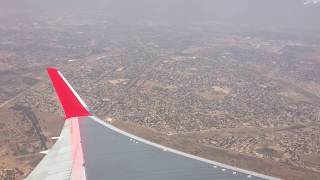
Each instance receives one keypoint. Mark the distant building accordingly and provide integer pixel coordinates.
(8, 174)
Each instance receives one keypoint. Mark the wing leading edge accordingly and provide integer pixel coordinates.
(89, 148)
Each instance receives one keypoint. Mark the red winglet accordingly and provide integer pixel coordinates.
(72, 104)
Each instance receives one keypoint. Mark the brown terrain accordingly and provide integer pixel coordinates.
(248, 101)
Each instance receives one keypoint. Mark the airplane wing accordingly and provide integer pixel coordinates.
(89, 148)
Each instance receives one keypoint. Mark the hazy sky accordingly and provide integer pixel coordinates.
(267, 12)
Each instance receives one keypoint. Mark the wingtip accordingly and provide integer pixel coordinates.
(71, 102)
(52, 69)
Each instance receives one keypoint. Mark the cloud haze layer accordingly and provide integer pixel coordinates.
(291, 13)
